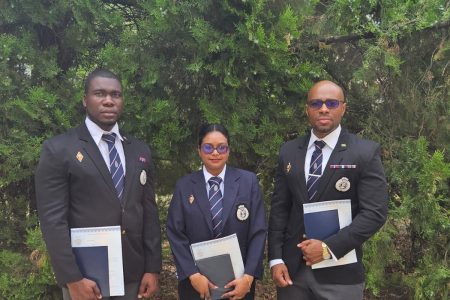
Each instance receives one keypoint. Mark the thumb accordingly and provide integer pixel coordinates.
(97, 293)
(286, 277)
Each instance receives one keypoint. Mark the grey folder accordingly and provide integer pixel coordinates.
(219, 270)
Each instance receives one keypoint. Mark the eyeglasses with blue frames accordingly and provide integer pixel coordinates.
(317, 104)
(208, 148)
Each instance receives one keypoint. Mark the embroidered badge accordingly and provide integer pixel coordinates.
(343, 184)
(79, 156)
(143, 177)
(242, 213)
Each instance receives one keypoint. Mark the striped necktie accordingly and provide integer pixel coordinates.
(315, 170)
(115, 165)
(215, 200)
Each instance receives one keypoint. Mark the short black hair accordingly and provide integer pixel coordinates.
(99, 72)
(207, 128)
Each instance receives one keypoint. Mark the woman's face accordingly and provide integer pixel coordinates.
(215, 161)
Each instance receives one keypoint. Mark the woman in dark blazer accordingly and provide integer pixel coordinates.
(214, 202)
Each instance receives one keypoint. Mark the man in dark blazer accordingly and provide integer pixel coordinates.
(351, 169)
(190, 222)
(74, 188)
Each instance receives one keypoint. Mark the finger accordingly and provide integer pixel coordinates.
(230, 284)
(97, 293)
(287, 278)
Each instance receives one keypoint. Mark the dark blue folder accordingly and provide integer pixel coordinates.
(322, 224)
(93, 264)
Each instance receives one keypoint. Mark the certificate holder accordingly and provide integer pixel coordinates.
(220, 260)
(98, 252)
(323, 219)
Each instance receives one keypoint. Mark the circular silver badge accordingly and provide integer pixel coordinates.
(242, 213)
(343, 184)
(143, 177)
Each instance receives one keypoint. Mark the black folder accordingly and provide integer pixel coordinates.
(219, 270)
(93, 264)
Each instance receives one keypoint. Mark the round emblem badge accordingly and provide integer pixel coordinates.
(343, 184)
(143, 177)
(242, 213)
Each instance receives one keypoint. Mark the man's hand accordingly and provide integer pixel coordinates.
(280, 275)
(84, 289)
(312, 251)
(149, 285)
(241, 287)
(202, 285)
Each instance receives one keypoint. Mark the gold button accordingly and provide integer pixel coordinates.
(123, 232)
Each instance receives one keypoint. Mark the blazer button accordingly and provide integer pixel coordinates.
(304, 236)
(124, 232)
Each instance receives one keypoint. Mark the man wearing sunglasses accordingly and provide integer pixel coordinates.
(327, 164)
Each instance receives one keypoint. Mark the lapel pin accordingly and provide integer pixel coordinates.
(288, 167)
(142, 159)
(343, 145)
(191, 199)
(79, 156)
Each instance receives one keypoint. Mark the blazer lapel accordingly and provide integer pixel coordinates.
(300, 157)
(199, 185)
(94, 153)
(231, 187)
(130, 165)
(335, 159)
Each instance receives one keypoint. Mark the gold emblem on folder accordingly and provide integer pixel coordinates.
(79, 156)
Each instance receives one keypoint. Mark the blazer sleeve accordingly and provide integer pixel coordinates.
(372, 199)
(52, 196)
(256, 232)
(279, 212)
(152, 228)
(178, 239)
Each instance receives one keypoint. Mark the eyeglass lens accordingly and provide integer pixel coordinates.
(329, 103)
(208, 149)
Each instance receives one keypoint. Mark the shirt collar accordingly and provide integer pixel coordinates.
(330, 140)
(209, 175)
(96, 132)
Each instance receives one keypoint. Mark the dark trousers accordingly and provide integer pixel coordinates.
(187, 292)
(306, 287)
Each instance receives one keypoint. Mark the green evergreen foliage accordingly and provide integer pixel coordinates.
(246, 64)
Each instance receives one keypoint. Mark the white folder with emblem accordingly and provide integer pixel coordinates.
(226, 245)
(322, 219)
(98, 252)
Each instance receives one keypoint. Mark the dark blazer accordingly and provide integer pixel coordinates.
(189, 223)
(74, 189)
(368, 194)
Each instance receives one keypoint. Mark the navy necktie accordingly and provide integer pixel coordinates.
(115, 165)
(315, 170)
(215, 200)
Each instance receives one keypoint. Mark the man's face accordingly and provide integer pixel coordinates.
(325, 119)
(103, 102)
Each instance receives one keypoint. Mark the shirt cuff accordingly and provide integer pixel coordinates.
(274, 262)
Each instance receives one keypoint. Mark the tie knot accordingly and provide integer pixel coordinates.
(109, 138)
(319, 144)
(214, 181)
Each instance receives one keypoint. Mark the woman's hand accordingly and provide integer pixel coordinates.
(202, 285)
(241, 287)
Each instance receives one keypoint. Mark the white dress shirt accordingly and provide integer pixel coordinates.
(209, 175)
(96, 133)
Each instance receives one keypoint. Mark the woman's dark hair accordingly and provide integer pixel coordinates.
(207, 128)
(105, 73)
